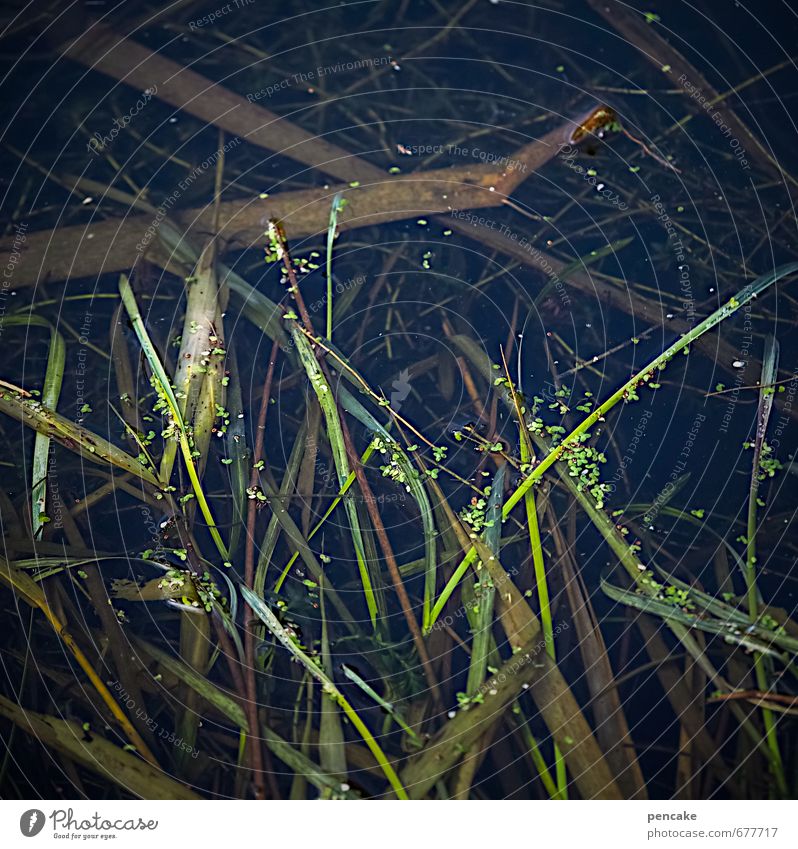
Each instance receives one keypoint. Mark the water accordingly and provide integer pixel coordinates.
(693, 211)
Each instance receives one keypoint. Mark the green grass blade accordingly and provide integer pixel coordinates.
(386, 706)
(85, 443)
(165, 387)
(671, 613)
(744, 296)
(296, 539)
(541, 584)
(481, 620)
(364, 458)
(261, 609)
(538, 759)
(368, 577)
(51, 391)
(338, 203)
(416, 488)
(332, 751)
(227, 706)
(770, 367)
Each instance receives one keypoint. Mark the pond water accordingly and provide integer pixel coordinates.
(493, 214)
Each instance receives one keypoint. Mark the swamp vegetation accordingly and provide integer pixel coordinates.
(398, 401)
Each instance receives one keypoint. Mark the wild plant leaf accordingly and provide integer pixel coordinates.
(369, 572)
(238, 458)
(45, 567)
(96, 754)
(672, 612)
(88, 445)
(530, 666)
(299, 543)
(332, 749)
(199, 373)
(763, 667)
(165, 387)
(388, 707)
(291, 480)
(774, 635)
(257, 307)
(261, 609)
(162, 588)
(51, 391)
(744, 296)
(481, 619)
(338, 203)
(415, 486)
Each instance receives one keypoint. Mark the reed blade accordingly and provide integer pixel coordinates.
(414, 485)
(338, 203)
(369, 571)
(51, 391)
(762, 665)
(261, 609)
(332, 750)
(481, 615)
(164, 387)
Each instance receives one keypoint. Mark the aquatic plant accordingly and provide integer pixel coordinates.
(363, 496)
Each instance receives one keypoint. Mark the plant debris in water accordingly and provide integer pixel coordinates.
(444, 423)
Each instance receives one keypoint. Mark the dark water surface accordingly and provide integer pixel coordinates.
(661, 212)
